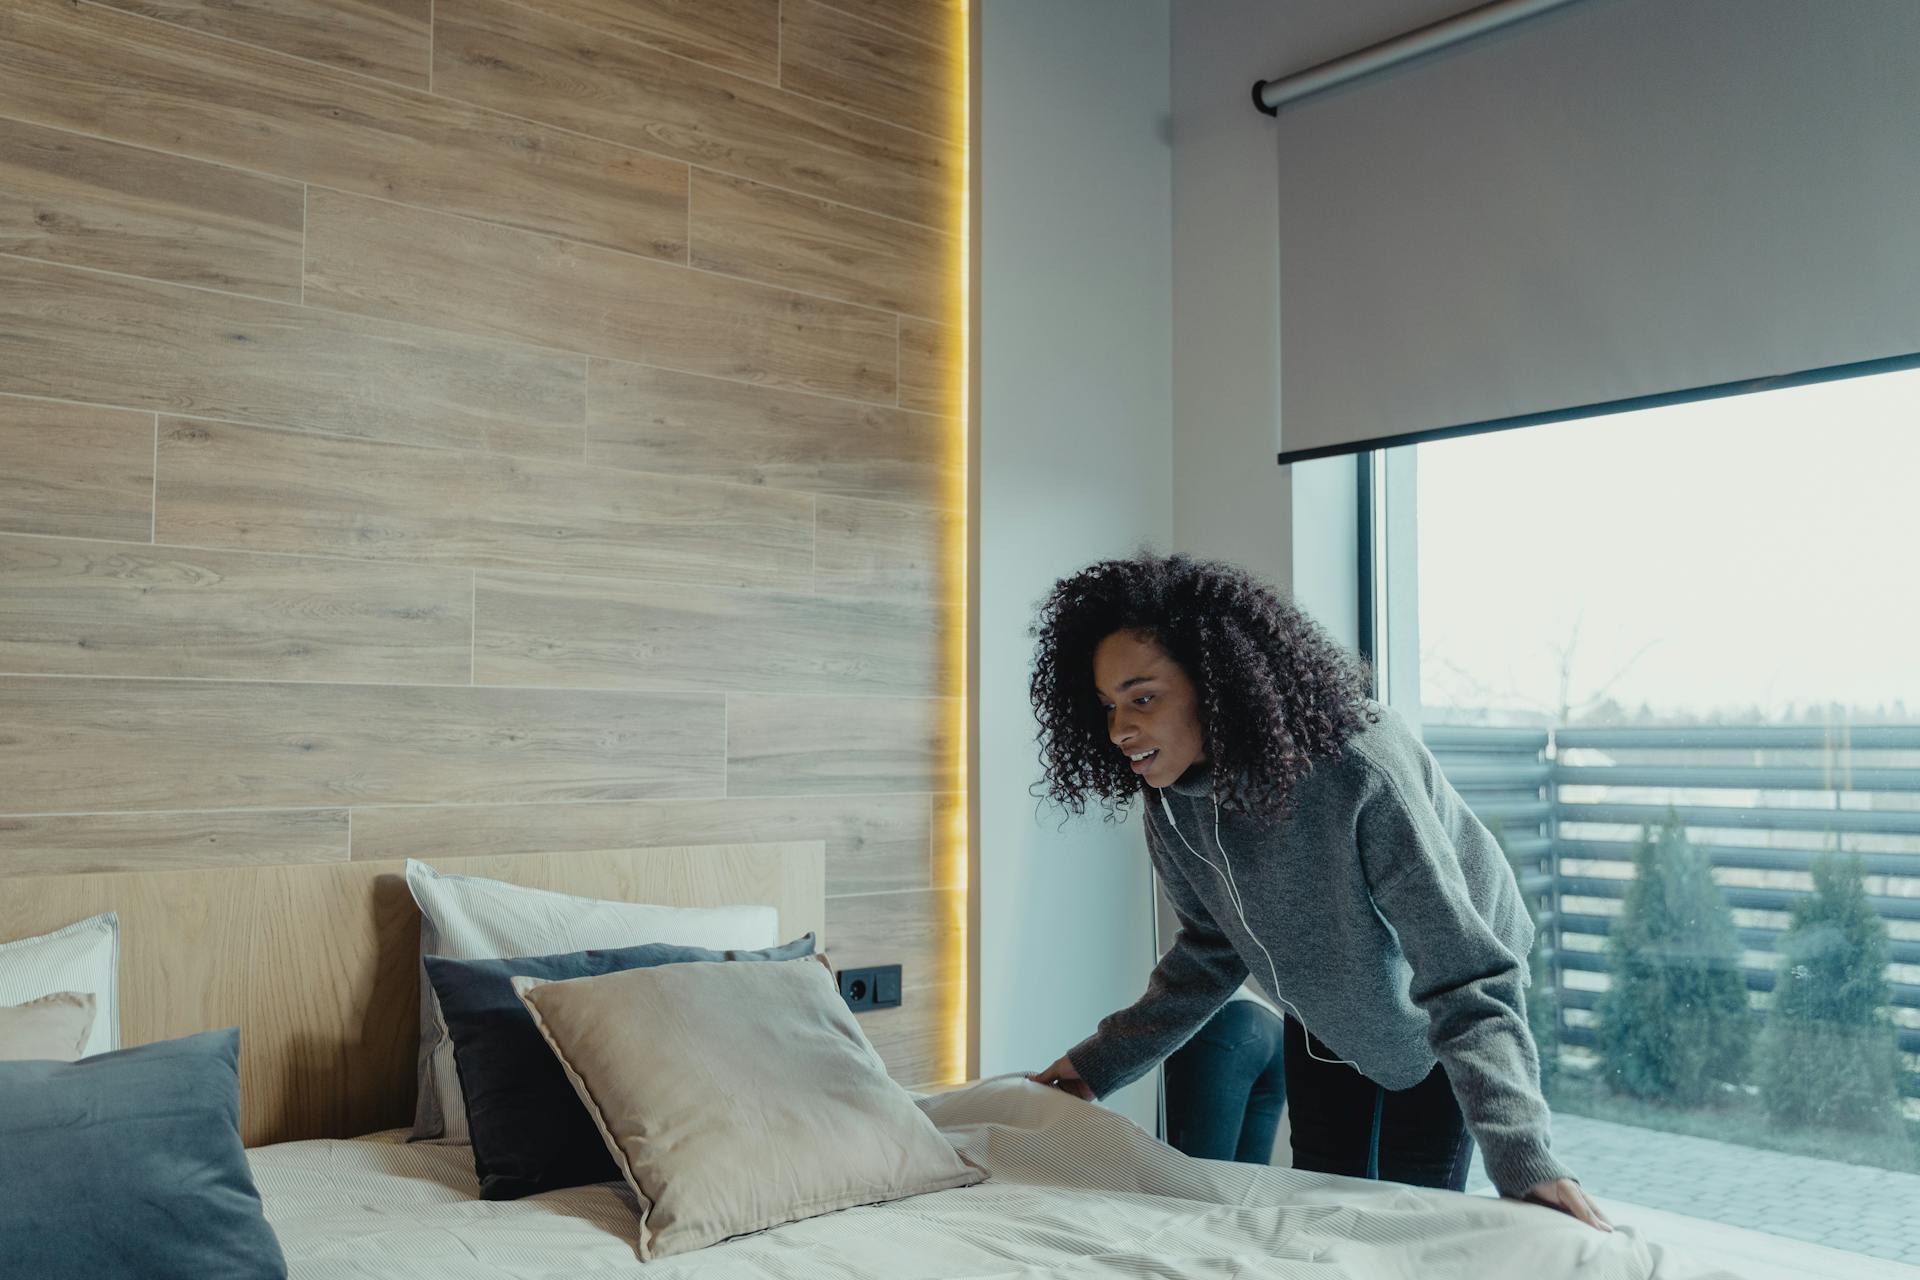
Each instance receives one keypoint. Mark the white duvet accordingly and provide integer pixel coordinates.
(1075, 1192)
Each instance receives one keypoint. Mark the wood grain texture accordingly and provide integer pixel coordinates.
(930, 356)
(331, 1037)
(881, 549)
(748, 229)
(69, 844)
(646, 419)
(873, 843)
(950, 841)
(225, 485)
(784, 745)
(119, 76)
(319, 965)
(741, 36)
(381, 259)
(917, 930)
(406, 316)
(174, 969)
(384, 38)
(610, 633)
(940, 22)
(921, 1041)
(123, 745)
(829, 54)
(75, 471)
(128, 609)
(78, 335)
(77, 200)
(499, 55)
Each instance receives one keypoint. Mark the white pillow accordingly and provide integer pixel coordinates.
(470, 918)
(83, 957)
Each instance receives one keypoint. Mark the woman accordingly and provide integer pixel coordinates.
(1304, 835)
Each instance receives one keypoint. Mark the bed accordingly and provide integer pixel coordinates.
(1075, 1191)
(317, 965)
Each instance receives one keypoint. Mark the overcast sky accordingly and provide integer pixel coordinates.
(1759, 549)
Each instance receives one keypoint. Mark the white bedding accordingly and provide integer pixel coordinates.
(1076, 1193)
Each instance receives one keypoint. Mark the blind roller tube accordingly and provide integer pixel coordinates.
(1271, 95)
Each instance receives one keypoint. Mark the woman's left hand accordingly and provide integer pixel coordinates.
(1565, 1195)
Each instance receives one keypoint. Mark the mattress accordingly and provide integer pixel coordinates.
(1075, 1192)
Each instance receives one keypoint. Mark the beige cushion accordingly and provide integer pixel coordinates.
(53, 1027)
(736, 1097)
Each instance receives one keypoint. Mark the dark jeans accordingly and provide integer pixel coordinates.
(1225, 1087)
(1342, 1122)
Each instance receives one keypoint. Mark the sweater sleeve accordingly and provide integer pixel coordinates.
(1466, 980)
(1193, 979)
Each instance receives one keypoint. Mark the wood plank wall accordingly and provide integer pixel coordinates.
(453, 427)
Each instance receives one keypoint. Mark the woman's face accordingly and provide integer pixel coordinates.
(1152, 708)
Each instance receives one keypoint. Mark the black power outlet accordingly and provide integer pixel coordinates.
(877, 987)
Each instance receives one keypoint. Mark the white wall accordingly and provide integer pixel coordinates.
(1074, 458)
(1230, 498)
(1126, 354)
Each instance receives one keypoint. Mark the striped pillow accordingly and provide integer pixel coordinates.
(83, 957)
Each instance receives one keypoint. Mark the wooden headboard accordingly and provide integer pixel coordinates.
(318, 965)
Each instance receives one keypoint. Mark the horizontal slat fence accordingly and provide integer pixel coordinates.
(1762, 802)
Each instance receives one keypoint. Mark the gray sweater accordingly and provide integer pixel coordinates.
(1396, 931)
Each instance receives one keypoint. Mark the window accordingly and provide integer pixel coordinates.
(1672, 659)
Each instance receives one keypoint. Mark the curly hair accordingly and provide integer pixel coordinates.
(1276, 692)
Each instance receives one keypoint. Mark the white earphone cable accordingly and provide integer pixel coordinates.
(1233, 896)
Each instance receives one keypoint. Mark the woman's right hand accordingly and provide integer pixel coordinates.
(1062, 1076)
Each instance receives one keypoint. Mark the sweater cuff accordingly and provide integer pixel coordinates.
(1521, 1167)
(1097, 1066)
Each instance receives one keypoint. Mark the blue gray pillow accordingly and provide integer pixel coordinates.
(130, 1164)
(529, 1130)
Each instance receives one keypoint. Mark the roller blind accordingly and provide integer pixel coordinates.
(1617, 200)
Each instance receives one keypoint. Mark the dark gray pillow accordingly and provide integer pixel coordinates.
(529, 1130)
(130, 1164)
